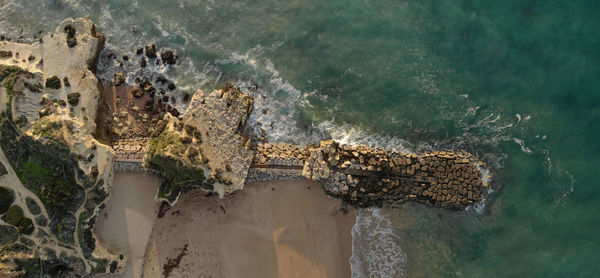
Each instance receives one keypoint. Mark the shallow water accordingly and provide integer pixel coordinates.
(515, 82)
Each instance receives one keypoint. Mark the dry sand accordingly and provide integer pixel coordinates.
(125, 224)
(269, 229)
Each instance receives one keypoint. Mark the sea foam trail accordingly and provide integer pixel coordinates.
(375, 252)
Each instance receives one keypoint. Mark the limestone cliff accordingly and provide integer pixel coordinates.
(57, 174)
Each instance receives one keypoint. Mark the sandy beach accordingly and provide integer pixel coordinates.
(271, 229)
(126, 222)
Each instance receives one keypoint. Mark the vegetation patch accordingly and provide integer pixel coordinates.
(14, 216)
(46, 167)
(32, 206)
(165, 155)
(35, 88)
(53, 82)
(73, 98)
(8, 234)
(9, 75)
(7, 197)
(64, 227)
(5, 54)
(53, 130)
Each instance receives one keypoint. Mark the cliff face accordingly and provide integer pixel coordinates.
(56, 172)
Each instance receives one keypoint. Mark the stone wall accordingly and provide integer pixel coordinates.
(134, 148)
(365, 176)
(280, 154)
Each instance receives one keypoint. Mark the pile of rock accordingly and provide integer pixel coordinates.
(279, 154)
(131, 148)
(266, 174)
(365, 176)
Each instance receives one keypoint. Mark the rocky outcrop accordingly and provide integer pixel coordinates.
(219, 119)
(59, 173)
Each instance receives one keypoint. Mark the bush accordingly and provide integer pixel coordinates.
(6, 199)
(177, 175)
(14, 216)
(33, 206)
(73, 98)
(5, 54)
(53, 82)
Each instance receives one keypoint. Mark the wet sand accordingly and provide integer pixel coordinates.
(270, 229)
(125, 224)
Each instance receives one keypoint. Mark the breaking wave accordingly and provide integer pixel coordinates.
(375, 252)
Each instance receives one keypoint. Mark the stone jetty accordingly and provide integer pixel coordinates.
(365, 176)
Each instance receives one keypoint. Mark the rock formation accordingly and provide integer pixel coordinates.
(57, 173)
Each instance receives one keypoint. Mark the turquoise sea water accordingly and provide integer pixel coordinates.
(515, 82)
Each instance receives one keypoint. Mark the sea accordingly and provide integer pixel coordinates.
(515, 82)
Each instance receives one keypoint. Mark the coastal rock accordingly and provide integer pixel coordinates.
(150, 51)
(119, 78)
(168, 57)
(221, 117)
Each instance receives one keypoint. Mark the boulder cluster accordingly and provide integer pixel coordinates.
(365, 176)
(132, 148)
(279, 154)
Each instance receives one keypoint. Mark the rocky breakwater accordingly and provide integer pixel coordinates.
(205, 147)
(58, 175)
(364, 176)
(277, 161)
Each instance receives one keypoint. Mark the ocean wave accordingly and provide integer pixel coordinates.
(375, 252)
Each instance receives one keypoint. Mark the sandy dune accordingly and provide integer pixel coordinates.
(270, 229)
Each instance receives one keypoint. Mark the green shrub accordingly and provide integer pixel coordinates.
(35, 88)
(6, 199)
(14, 216)
(176, 174)
(73, 98)
(47, 167)
(53, 82)
(32, 206)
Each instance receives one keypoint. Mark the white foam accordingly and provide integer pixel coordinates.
(375, 252)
